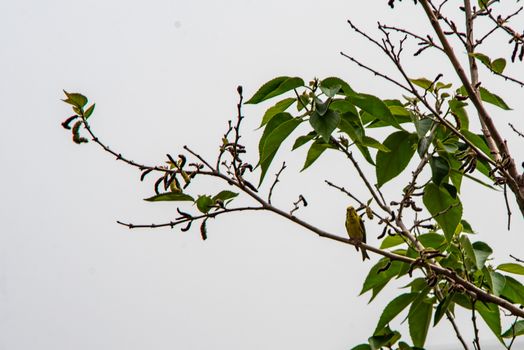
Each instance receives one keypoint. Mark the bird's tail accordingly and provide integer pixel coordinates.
(364, 253)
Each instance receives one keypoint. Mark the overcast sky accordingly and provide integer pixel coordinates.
(164, 74)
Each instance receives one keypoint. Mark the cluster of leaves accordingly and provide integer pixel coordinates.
(429, 299)
(332, 107)
(339, 118)
(78, 101)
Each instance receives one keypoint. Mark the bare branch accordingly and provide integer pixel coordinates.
(189, 219)
(277, 176)
(515, 130)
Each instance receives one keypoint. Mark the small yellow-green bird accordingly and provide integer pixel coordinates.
(356, 230)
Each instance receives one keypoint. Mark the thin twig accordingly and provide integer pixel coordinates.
(476, 341)
(515, 130)
(451, 319)
(508, 210)
(200, 158)
(277, 176)
(516, 259)
(513, 335)
(427, 41)
(370, 188)
(377, 73)
(184, 219)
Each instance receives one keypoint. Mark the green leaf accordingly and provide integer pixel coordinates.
(89, 111)
(482, 253)
(449, 145)
(455, 175)
(383, 338)
(423, 145)
(497, 282)
(365, 153)
(404, 346)
(423, 83)
(469, 252)
(275, 132)
(451, 190)
(376, 278)
(224, 196)
(376, 289)
(466, 227)
(343, 106)
(422, 126)
(273, 142)
(371, 142)
(332, 82)
(439, 169)
(513, 291)
(277, 120)
(498, 65)
(75, 99)
(490, 313)
(442, 307)
(204, 203)
(274, 88)
(391, 241)
(482, 58)
(515, 330)
(393, 308)
(302, 140)
(332, 91)
(279, 107)
(432, 240)
(362, 347)
(417, 284)
(317, 148)
(170, 196)
(390, 164)
(325, 124)
(457, 109)
(438, 200)
(442, 86)
(462, 300)
(350, 124)
(489, 97)
(376, 107)
(419, 320)
(511, 268)
(321, 107)
(399, 111)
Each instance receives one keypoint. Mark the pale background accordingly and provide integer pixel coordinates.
(164, 74)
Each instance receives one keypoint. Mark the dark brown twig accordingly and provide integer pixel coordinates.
(277, 179)
(375, 72)
(516, 259)
(515, 130)
(186, 219)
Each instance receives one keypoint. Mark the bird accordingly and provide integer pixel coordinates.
(356, 230)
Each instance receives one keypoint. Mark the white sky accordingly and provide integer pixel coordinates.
(164, 74)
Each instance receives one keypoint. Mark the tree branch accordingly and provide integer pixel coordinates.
(497, 144)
